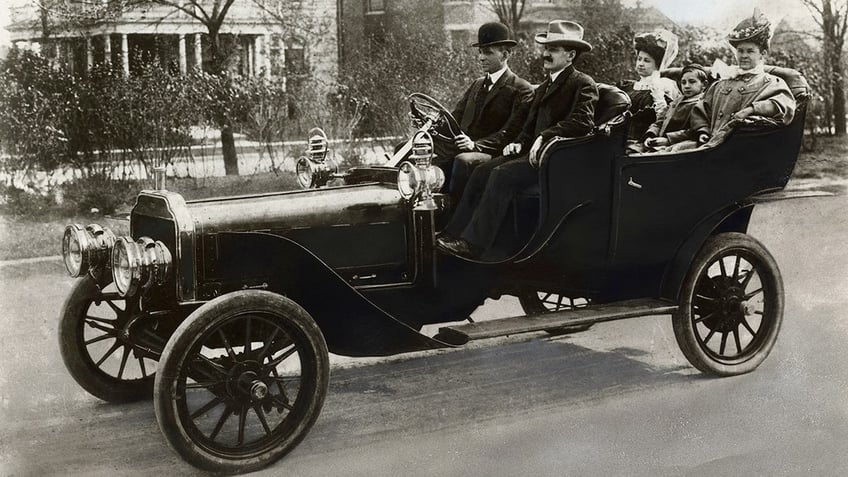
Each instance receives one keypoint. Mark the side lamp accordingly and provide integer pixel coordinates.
(418, 178)
(316, 169)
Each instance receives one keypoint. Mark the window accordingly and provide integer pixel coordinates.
(295, 57)
(375, 6)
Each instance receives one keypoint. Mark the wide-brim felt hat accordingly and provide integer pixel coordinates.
(493, 34)
(754, 29)
(564, 33)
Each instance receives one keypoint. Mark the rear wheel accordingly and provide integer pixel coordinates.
(241, 381)
(96, 345)
(537, 303)
(731, 306)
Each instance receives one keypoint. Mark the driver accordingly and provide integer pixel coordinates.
(490, 112)
(563, 105)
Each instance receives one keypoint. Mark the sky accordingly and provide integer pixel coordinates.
(725, 14)
(722, 14)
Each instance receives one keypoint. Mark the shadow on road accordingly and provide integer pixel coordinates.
(375, 402)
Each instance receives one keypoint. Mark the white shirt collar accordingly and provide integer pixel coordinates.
(555, 74)
(494, 77)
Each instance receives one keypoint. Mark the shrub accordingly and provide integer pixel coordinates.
(18, 202)
(99, 192)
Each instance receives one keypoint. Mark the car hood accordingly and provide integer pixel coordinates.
(297, 209)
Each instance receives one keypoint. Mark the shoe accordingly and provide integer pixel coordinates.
(457, 247)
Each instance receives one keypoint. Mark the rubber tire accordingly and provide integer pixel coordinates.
(532, 305)
(75, 355)
(183, 340)
(684, 330)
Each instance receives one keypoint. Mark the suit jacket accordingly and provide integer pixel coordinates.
(564, 108)
(501, 116)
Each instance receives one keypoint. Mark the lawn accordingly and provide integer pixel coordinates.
(27, 237)
(22, 237)
(828, 161)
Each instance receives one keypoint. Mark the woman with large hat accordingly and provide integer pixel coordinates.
(747, 90)
(651, 94)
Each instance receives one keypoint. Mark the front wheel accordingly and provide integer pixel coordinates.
(241, 381)
(731, 306)
(97, 346)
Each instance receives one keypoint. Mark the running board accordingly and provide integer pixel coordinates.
(461, 334)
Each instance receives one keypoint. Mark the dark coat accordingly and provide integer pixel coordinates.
(565, 108)
(501, 115)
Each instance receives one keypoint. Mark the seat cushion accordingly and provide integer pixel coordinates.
(611, 103)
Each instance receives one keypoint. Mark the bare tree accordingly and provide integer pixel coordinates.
(832, 17)
(509, 12)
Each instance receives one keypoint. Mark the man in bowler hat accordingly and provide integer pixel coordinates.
(563, 105)
(490, 113)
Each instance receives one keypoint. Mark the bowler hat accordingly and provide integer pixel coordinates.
(493, 33)
(564, 33)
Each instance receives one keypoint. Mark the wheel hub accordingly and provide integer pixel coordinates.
(729, 305)
(244, 381)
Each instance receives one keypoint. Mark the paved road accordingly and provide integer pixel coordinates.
(616, 400)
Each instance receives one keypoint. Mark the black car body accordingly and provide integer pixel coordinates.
(627, 235)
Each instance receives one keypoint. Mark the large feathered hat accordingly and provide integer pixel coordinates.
(755, 29)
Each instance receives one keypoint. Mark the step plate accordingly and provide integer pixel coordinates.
(461, 334)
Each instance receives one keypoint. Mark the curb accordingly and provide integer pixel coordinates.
(26, 261)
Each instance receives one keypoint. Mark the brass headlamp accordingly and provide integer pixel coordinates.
(86, 248)
(316, 169)
(420, 180)
(140, 264)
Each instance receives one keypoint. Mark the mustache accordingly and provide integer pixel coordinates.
(547, 58)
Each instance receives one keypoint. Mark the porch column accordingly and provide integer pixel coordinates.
(107, 49)
(125, 55)
(57, 51)
(267, 43)
(89, 53)
(70, 55)
(182, 48)
(282, 60)
(198, 52)
(257, 55)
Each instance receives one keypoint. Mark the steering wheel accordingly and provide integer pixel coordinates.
(423, 108)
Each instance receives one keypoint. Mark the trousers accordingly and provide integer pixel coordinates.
(485, 202)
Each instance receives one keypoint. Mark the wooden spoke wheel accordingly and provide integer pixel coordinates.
(731, 306)
(97, 345)
(241, 381)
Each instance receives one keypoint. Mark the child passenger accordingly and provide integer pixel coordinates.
(673, 132)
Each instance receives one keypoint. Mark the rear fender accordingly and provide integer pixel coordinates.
(352, 325)
(734, 218)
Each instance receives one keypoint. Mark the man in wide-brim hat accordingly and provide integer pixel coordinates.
(491, 111)
(563, 105)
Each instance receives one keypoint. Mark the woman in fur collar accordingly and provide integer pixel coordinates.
(748, 91)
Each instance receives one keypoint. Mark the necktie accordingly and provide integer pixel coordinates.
(481, 97)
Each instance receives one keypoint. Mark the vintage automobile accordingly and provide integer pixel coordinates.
(225, 309)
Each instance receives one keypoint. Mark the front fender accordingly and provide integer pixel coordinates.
(733, 218)
(352, 325)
